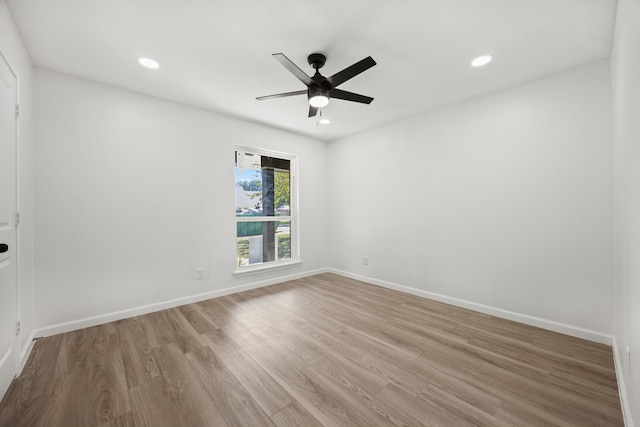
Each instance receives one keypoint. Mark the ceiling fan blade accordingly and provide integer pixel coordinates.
(282, 95)
(352, 71)
(349, 96)
(293, 68)
(313, 110)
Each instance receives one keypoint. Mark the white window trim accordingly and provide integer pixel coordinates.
(293, 218)
(261, 268)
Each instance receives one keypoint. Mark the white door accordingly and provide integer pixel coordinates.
(8, 198)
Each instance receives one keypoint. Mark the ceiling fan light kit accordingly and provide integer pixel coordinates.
(319, 88)
(318, 97)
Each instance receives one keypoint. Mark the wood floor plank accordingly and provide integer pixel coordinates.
(236, 405)
(73, 351)
(459, 407)
(376, 358)
(259, 384)
(140, 365)
(76, 345)
(169, 326)
(177, 398)
(317, 400)
(98, 390)
(124, 420)
(415, 411)
(108, 390)
(296, 334)
(329, 357)
(225, 314)
(198, 318)
(27, 397)
(318, 351)
(294, 415)
(184, 335)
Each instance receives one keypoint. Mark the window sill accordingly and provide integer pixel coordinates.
(260, 268)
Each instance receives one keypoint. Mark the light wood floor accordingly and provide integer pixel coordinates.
(320, 351)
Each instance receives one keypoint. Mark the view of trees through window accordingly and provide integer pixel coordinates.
(263, 208)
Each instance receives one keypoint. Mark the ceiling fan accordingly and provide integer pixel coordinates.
(320, 88)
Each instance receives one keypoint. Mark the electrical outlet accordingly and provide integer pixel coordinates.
(199, 273)
(365, 260)
(627, 352)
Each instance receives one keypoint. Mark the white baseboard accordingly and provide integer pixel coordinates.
(26, 351)
(622, 389)
(149, 308)
(551, 325)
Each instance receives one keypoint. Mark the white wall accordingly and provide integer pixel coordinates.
(133, 193)
(504, 201)
(625, 63)
(14, 51)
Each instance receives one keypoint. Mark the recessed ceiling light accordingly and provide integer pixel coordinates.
(148, 62)
(481, 60)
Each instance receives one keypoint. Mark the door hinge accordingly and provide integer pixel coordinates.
(17, 111)
(17, 219)
(18, 327)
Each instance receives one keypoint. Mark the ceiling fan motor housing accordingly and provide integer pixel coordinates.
(317, 60)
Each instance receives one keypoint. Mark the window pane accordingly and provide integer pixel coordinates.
(248, 192)
(283, 240)
(282, 189)
(263, 241)
(263, 192)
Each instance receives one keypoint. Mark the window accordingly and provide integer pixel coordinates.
(265, 209)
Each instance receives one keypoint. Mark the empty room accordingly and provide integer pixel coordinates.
(292, 213)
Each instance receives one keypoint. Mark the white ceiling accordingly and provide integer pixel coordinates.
(216, 55)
